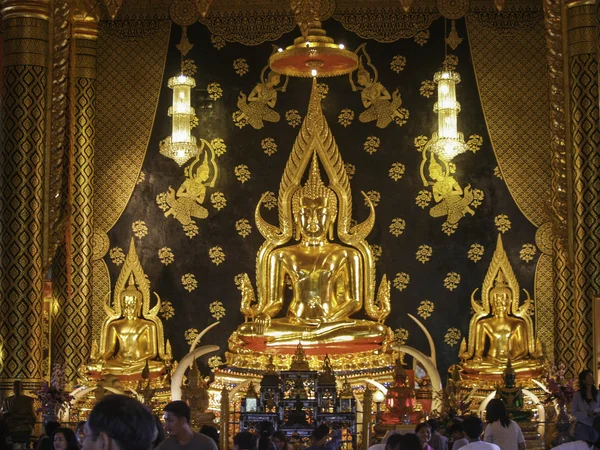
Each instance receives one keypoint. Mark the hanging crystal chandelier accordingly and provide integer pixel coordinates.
(447, 142)
(181, 145)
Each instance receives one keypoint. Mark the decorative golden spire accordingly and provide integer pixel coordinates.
(299, 361)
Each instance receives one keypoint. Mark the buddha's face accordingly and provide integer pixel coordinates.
(314, 217)
(500, 303)
(131, 302)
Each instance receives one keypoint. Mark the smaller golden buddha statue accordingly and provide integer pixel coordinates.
(501, 328)
(132, 337)
(400, 400)
(195, 394)
(512, 395)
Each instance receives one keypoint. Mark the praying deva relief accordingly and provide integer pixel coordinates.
(380, 105)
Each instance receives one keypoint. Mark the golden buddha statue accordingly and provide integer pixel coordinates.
(330, 281)
(501, 328)
(132, 336)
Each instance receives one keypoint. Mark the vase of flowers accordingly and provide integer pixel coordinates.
(561, 391)
(53, 397)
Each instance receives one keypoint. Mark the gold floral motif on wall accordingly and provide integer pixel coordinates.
(216, 255)
(452, 281)
(527, 252)
(217, 310)
(350, 170)
(377, 251)
(398, 63)
(293, 118)
(425, 309)
(241, 67)
(189, 282)
(139, 228)
(346, 117)
(190, 334)
(217, 41)
(380, 105)
(218, 200)
(243, 227)
(242, 173)
(401, 281)
(422, 37)
(167, 310)
(424, 253)
(215, 91)
(397, 226)
(117, 256)
(400, 336)
(475, 252)
(371, 144)
(502, 223)
(452, 336)
(269, 146)
(397, 171)
(269, 200)
(165, 255)
(215, 361)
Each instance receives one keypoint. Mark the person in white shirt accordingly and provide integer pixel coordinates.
(501, 430)
(585, 401)
(473, 427)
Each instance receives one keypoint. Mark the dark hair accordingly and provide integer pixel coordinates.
(394, 442)
(265, 430)
(410, 441)
(582, 387)
(179, 408)
(69, 437)
(495, 410)
(80, 424)
(211, 432)
(282, 437)
(243, 440)
(472, 426)
(422, 425)
(455, 428)
(50, 426)
(320, 432)
(160, 432)
(125, 420)
(433, 424)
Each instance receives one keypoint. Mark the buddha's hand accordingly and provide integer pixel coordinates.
(261, 323)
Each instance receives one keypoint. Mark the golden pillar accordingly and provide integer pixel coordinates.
(22, 149)
(71, 331)
(581, 67)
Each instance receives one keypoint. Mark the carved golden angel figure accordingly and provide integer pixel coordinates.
(380, 105)
(257, 108)
(330, 281)
(451, 200)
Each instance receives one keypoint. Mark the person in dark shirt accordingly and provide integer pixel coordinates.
(177, 426)
(5, 438)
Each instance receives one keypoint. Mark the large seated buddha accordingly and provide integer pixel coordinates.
(329, 281)
(501, 329)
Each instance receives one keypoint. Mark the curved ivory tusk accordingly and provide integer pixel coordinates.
(186, 361)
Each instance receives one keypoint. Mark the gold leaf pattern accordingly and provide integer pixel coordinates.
(420, 142)
(527, 252)
(451, 281)
(322, 89)
(502, 223)
(218, 200)
(188, 68)
(189, 282)
(372, 144)
(166, 256)
(477, 197)
(452, 336)
(141, 178)
(238, 281)
(374, 196)
(350, 170)
(268, 145)
(397, 171)
(422, 37)
(398, 63)
(425, 309)
(293, 118)
(190, 334)
(139, 229)
(242, 173)
(243, 227)
(215, 92)
(423, 199)
(218, 42)
(449, 227)
(474, 143)
(424, 253)
(241, 67)
(401, 116)
(427, 88)
(219, 146)
(167, 310)
(216, 255)
(377, 251)
(450, 62)
(161, 201)
(269, 200)
(400, 336)
(117, 256)
(401, 281)
(475, 252)
(217, 310)
(190, 229)
(346, 117)
(215, 361)
(498, 172)
(397, 226)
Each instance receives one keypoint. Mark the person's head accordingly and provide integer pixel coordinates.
(273, 79)
(177, 418)
(280, 440)
(586, 378)
(394, 442)
(79, 432)
(160, 432)
(495, 410)
(434, 425)
(265, 430)
(50, 426)
(473, 427)
(118, 422)
(211, 432)
(64, 439)
(423, 431)
(243, 441)
(456, 431)
(319, 434)
(410, 441)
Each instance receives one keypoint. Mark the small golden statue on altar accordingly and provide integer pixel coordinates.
(512, 395)
(400, 400)
(501, 328)
(329, 281)
(132, 336)
(195, 393)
